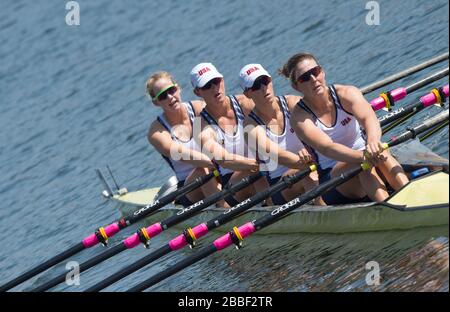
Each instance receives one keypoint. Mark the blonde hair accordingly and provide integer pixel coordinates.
(288, 69)
(153, 79)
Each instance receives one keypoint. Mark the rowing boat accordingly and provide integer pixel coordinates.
(422, 203)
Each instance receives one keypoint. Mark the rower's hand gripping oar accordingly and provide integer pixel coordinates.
(237, 235)
(191, 235)
(102, 234)
(144, 234)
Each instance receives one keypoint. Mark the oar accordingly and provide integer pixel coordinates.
(392, 119)
(237, 235)
(190, 235)
(428, 100)
(432, 131)
(404, 73)
(388, 99)
(102, 234)
(143, 235)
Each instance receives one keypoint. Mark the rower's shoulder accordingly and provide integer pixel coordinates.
(155, 126)
(198, 106)
(246, 103)
(347, 91)
(154, 131)
(292, 101)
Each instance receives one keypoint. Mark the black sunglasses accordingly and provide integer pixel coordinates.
(307, 75)
(214, 81)
(262, 80)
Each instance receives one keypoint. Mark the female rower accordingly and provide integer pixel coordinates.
(222, 135)
(271, 133)
(172, 136)
(328, 119)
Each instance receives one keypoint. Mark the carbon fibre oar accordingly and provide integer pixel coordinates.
(404, 73)
(425, 101)
(190, 235)
(389, 98)
(237, 235)
(144, 234)
(433, 130)
(394, 118)
(102, 234)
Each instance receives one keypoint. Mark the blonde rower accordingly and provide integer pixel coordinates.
(172, 135)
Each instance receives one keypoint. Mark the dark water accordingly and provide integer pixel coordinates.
(72, 99)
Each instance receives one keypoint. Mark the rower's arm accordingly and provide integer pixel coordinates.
(354, 102)
(220, 155)
(257, 138)
(307, 131)
(162, 141)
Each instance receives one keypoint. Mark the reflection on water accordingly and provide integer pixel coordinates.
(408, 261)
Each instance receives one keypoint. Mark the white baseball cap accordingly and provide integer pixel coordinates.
(249, 73)
(202, 73)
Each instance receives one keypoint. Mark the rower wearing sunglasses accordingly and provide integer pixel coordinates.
(172, 136)
(272, 135)
(222, 134)
(330, 119)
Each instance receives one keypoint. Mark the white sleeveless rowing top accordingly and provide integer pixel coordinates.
(346, 130)
(182, 169)
(234, 144)
(288, 140)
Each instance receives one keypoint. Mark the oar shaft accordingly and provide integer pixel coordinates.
(202, 229)
(425, 101)
(233, 212)
(404, 73)
(197, 207)
(247, 229)
(42, 267)
(398, 94)
(108, 231)
(145, 211)
(413, 132)
(152, 231)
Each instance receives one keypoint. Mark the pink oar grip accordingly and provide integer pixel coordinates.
(396, 94)
(430, 98)
(132, 241)
(110, 231)
(152, 230)
(179, 241)
(225, 241)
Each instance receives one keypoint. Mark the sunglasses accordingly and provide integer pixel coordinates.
(263, 80)
(214, 81)
(307, 75)
(164, 93)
